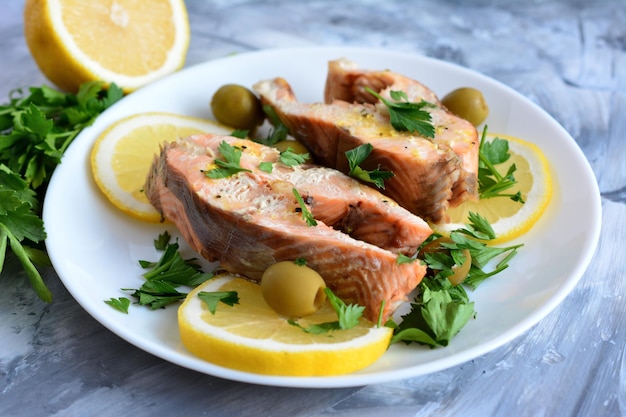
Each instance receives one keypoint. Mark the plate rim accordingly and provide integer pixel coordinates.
(355, 379)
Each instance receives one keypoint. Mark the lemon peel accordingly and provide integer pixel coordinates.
(122, 155)
(128, 43)
(510, 219)
(252, 337)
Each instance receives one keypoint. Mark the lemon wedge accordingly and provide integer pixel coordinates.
(510, 219)
(251, 337)
(122, 155)
(130, 43)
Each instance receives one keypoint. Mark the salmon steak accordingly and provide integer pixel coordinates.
(253, 218)
(430, 174)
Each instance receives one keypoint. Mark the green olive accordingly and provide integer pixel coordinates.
(237, 107)
(296, 147)
(467, 103)
(459, 272)
(293, 290)
(434, 246)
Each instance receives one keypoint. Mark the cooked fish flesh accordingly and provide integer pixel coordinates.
(252, 219)
(430, 174)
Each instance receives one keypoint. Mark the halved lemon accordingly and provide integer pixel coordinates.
(122, 155)
(510, 219)
(130, 43)
(251, 337)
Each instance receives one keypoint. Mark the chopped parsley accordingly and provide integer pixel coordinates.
(440, 309)
(406, 116)
(491, 183)
(291, 158)
(211, 299)
(306, 214)
(231, 163)
(348, 316)
(165, 276)
(120, 304)
(356, 156)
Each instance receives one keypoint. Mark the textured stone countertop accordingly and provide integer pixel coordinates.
(569, 57)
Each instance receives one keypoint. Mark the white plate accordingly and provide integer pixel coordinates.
(95, 249)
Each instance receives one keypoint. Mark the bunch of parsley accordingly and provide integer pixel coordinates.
(35, 130)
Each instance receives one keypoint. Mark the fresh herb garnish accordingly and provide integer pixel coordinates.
(356, 156)
(278, 133)
(120, 304)
(266, 167)
(403, 259)
(407, 116)
(348, 316)
(287, 157)
(231, 163)
(166, 275)
(240, 133)
(291, 158)
(35, 131)
(306, 214)
(211, 299)
(491, 183)
(441, 309)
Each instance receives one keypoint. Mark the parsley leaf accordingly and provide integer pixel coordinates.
(403, 259)
(291, 158)
(161, 242)
(306, 214)
(231, 163)
(266, 167)
(407, 116)
(211, 299)
(166, 275)
(491, 183)
(348, 316)
(356, 156)
(278, 133)
(240, 133)
(120, 304)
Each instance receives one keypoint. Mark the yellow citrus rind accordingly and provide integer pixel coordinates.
(124, 42)
(510, 219)
(251, 337)
(122, 155)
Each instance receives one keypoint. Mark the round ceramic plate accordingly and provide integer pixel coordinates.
(95, 249)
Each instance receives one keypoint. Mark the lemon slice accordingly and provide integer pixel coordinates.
(122, 155)
(510, 219)
(251, 337)
(130, 43)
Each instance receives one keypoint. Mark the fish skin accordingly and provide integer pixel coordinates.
(431, 175)
(251, 220)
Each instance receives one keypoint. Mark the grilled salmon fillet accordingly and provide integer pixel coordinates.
(252, 219)
(430, 175)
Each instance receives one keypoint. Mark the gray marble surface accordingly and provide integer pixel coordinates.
(567, 56)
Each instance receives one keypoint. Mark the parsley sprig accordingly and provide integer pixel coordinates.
(359, 154)
(306, 214)
(405, 115)
(491, 183)
(35, 130)
(213, 298)
(441, 310)
(165, 276)
(230, 165)
(348, 316)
